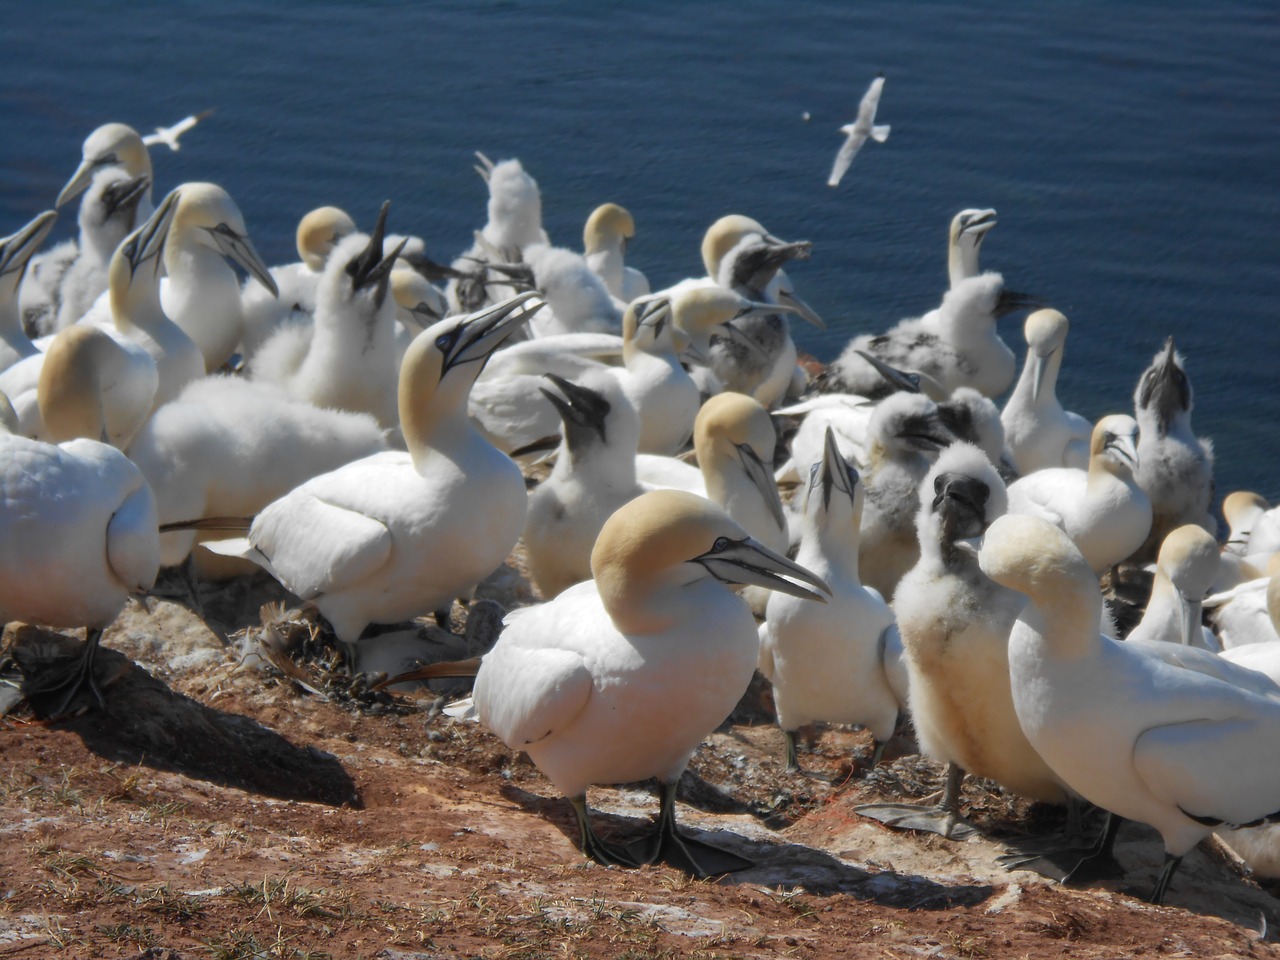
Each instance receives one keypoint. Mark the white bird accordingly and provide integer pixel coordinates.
(955, 625)
(15, 252)
(856, 133)
(1185, 570)
(110, 145)
(577, 299)
(1039, 433)
(1102, 509)
(418, 302)
(346, 360)
(837, 662)
(620, 678)
(78, 537)
(1242, 509)
(1175, 467)
(964, 243)
(1144, 740)
(398, 534)
(594, 474)
(1248, 613)
(605, 238)
(169, 135)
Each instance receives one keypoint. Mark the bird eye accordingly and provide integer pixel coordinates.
(226, 231)
(446, 341)
(721, 544)
(813, 473)
(106, 159)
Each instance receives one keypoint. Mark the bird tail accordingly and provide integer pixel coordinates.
(880, 132)
(434, 671)
(208, 523)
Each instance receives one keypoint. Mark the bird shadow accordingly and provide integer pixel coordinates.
(146, 723)
(777, 864)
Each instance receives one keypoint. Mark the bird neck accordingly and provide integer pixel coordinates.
(1066, 613)
(829, 545)
(962, 262)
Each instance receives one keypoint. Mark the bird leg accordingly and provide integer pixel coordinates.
(1162, 884)
(610, 854)
(1074, 864)
(668, 845)
(81, 677)
(944, 819)
(877, 754)
(793, 761)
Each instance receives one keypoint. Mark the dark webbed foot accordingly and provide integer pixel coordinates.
(943, 819)
(1074, 864)
(609, 854)
(80, 678)
(676, 849)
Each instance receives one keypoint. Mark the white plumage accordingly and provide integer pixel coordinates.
(856, 133)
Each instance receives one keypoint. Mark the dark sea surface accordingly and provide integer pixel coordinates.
(1131, 149)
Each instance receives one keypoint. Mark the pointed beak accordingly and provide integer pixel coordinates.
(78, 183)
(582, 409)
(1127, 448)
(927, 432)
(239, 250)
(370, 267)
(793, 304)
(1039, 369)
(961, 502)
(476, 337)
(125, 194)
(654, 313)
(16, 251)
(748, 561)
(1188, 619)
(835, 472)
(147, 242)
(980, 223)
(898, 379)
(761, 478)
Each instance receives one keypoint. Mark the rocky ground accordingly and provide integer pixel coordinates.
(218, 807)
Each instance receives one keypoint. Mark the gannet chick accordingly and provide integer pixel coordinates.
(856, 133)
(742, 256)
(827, 662)
(964, 243)
(958, 344)
(319, 231)
(78, 536)
(399, 534)
(1039, 434)
(955, 625)
(604, 245)
(594, 474)
(349, 360)
(1247, 613)
(975, 419)
(1185, 570)
(201, 293)
(703, 309)
(619, 679)
(1144, 740)
(1175, 467)
(1102, 509)
(577, 300)
(903, 440)
(15, 252)
(169, 135)
(227, 447)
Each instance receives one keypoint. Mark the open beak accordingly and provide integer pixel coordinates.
(16, 251)
(762, 478)
(979, 224)
(835, 473)
(582, 409)
(748, 561)
(478, 335)
(790, 300)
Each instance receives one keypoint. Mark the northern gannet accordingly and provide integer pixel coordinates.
(964, 243)
(957, 344)
(1242, 509)
(1142, 739)
(834, 662)
(169, 135)
(111, 145)
(1185, 570)
(594, 474)
(347, 360)
(399, 534)
(1039, 433)
(78, 537)
(955, 625)
(618, 679)
(418, 305)
(604, 245)
(577, 300)
(1247, 613)
(319, 231)
(1175, 467)
(903, 440)
(856, 133)
(1102, 509)
(15, 252)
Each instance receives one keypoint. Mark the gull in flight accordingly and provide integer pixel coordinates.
(858, 131)
(170, 135)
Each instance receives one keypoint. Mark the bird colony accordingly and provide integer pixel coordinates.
(920, 540)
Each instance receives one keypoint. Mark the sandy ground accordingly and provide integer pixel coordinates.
(219, 809)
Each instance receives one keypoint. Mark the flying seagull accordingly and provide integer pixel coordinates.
(858, 131)
(170, 135)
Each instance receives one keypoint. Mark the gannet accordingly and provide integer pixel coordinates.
(577, 300)
(349, 360)
(15, 252)
(169, 135)
(399, 534)
(957, 344)
(319, 231)
(1242, 509)
(201, 293)
(741, 255)
(111, 145)
(604, 245)
(1102, 509)
(964, 243)
(955, 625)
(1185, 570)
(903, 439)
(594, 474)
(1039, 433)
(78, 537)
(856, 133)
(1247, 613)
(832, 662)
(619, 679)
(227, 447)
(658, 386)
(418, 305)
(1175, 467)
(703, 309)
(1144, 740)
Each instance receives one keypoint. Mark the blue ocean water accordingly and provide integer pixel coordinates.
(1131, 149)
